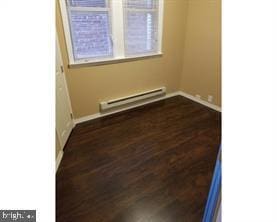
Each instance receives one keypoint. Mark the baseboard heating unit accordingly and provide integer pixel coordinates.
(132, 98)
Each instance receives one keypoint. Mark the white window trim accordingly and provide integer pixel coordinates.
(117, 30)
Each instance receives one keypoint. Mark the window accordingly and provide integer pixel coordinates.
(108, 30)
(141, 26)
(90, 28)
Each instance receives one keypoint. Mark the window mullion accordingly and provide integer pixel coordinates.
(117, 28)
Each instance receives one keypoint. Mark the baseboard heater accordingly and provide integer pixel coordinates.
(132, 98)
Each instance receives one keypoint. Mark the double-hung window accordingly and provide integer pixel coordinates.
(110, 30)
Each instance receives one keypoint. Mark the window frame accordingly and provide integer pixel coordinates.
(116, 11)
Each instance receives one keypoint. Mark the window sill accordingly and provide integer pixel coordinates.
(113, 61)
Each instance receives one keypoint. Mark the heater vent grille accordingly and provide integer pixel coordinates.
(132, 98)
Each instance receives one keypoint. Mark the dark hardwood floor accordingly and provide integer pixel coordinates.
(149, 164)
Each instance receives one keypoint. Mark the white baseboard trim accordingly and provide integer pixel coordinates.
(178, 93)
(98, 115)
(87, 118)
(59, 159)
(203, 102)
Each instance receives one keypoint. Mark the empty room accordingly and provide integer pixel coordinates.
(138, 110)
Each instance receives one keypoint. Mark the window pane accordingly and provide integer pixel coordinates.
(88, 3)
(141, 33)
(142, 4)
(90, 34)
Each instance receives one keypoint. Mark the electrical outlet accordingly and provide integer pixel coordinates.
(210, 98)
(198, 96)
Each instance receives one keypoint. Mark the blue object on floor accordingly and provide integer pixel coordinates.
(214, 191)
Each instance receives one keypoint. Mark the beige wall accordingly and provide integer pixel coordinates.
(202, 52)
(90, 85)
(191, 60)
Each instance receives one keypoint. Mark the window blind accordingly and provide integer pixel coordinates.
(141, 26)
(90, 28)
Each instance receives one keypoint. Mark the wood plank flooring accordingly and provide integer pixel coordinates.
(150, 164)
